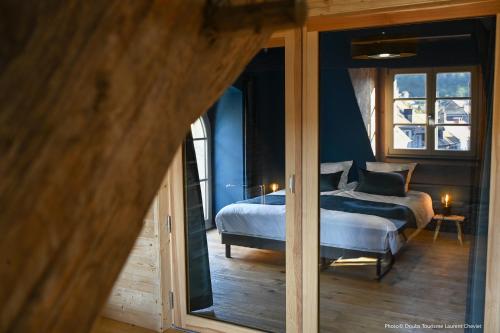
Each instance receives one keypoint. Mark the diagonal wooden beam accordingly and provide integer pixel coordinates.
(95, 98)
(231, 16)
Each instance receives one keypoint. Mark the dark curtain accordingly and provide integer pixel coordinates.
(199, 284)
(478, 250)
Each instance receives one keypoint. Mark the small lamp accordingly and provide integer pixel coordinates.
(274, 187)
(446, 202)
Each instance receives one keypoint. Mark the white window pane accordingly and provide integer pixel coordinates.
(197, 129)
(454, 138)
(453, 84)
(200, 148)
(410, 85)
(204, 189)
(453, 111)
(409, 137)
(410, 112)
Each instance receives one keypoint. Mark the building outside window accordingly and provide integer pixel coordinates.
(431, 111)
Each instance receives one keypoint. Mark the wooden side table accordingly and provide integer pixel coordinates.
(458, 219)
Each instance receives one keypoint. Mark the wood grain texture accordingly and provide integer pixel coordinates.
(492, 302)
(428, 284)
(106, 325)
(347, 14)
(326, 7)
(181, 317)
(293, 147)
(165, 249)
(137, 296)
(237, 15)
(310, 188)
(96, 96)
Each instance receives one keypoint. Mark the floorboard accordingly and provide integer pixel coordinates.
(427, 285)
(106, 325)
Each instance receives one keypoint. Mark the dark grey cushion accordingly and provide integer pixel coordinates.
(382, 183)
(329, 181)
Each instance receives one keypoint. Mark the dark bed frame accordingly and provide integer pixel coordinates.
(384, 262)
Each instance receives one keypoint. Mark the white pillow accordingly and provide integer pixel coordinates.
(390, 167)
(344, 166)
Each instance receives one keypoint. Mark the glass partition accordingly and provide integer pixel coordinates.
(403, 223)
(234, 166)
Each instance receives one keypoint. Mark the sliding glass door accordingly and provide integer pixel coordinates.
(404, 168)
(236, 266)
(237, 165)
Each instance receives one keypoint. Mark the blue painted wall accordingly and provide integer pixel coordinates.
(263, 83)
(342, 130)
(335, 47)
(226, 121)
(266, 118)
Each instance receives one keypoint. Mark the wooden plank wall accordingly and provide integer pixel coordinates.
(457, 177)
(136, 297)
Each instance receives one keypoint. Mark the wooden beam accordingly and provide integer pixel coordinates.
(280, 14)
(95, 98)
(384, 13)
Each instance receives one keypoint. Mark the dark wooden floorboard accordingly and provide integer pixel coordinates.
(428, 284)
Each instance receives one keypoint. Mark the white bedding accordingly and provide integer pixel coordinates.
(338, 229)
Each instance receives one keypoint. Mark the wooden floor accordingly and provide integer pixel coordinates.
(105, 325)
(427, 285)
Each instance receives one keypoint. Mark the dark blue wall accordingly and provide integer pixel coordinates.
(226, 121)
(336, 46)
(254, 106)
(266, 118)
(342, 130)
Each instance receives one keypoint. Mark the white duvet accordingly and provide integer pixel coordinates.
(350, 231)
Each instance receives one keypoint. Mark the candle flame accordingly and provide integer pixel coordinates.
(446, 200)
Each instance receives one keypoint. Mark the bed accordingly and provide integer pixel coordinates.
(353, 224)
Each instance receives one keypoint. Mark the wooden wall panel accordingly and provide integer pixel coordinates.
(136, 297)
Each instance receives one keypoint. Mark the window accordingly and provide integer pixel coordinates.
(432, 111)
(200, 132)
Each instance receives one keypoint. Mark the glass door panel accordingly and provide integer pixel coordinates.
(235, 201)
(403, 234)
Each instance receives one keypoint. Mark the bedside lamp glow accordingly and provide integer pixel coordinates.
(446, 201)
(274, 187)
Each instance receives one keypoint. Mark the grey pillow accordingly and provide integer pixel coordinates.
(382, 183)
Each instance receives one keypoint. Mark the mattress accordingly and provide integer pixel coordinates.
(344, 230)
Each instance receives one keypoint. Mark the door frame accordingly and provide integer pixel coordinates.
(291, 41)
(370, 19)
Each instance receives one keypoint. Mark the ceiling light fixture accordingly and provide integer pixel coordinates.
(383, 49)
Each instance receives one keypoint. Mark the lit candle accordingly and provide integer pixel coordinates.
(446, 200)
(274, 187)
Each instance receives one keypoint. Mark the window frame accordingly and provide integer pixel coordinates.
(205, 123)
(431, 97)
